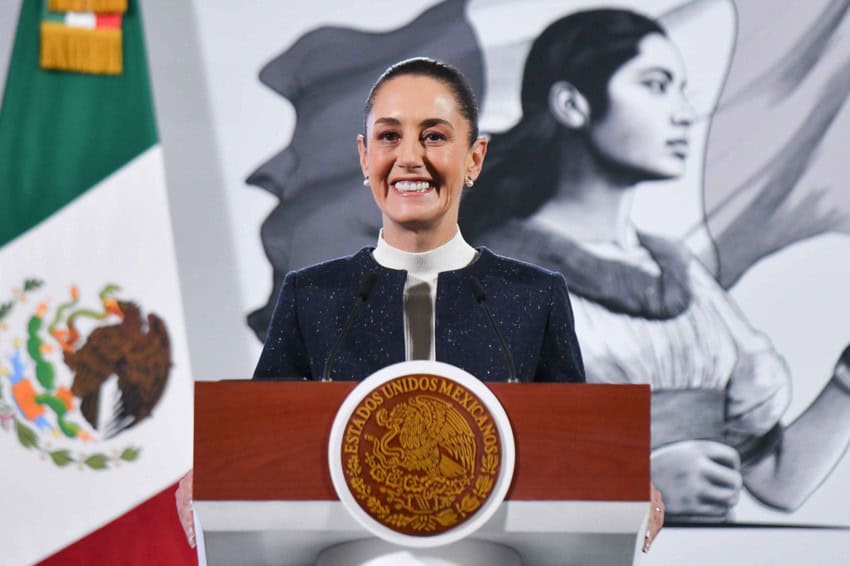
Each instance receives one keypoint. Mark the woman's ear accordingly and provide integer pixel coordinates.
(475, 157)
(361, 150)
(568, 105)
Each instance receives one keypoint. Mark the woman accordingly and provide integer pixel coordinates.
(603, 110)
(419, 149)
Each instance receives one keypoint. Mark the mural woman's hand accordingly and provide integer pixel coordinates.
(700, 479)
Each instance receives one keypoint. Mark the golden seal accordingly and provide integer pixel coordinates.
(421, 454)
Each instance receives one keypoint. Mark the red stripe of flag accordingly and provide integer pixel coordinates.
(148, 534)
(108, 20)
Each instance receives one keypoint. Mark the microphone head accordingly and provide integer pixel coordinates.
(366, 285)
(477, 289)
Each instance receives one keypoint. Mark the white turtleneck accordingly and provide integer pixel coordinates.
(420, 288)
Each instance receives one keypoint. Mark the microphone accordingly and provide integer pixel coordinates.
(481, 299)
(366, 285)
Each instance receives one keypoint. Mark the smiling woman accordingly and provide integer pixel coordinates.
(419, 149)
(422, 283)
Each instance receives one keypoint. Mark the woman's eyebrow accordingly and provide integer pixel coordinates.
(666, 72)
(427, 123)
(388, 121)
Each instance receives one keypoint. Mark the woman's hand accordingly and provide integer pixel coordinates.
(656, 516)
(183, 495)
(698, 477)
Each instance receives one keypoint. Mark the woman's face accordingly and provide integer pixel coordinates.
(647, 124)
(416, 155)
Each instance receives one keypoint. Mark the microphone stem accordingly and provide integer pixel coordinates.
(366, 285)
(326, 376)
(509, 359)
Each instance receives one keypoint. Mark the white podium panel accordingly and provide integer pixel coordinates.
(543, 533)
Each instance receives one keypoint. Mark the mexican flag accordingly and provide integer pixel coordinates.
(95, 384)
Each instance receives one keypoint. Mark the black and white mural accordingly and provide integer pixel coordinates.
(681, 163)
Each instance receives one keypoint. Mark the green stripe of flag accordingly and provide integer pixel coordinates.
(47, 15)
(61, 133)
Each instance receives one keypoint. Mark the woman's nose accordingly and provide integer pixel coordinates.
(684, 114)
(410, 153)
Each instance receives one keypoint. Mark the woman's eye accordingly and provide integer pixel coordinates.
(656, 86)
(434, 137)
(388, 136)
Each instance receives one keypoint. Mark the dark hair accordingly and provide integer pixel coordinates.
(585, 49)
(440, 71)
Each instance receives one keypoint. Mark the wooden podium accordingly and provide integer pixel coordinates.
(579, 495)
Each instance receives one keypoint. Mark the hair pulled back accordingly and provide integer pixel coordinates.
(437, 70)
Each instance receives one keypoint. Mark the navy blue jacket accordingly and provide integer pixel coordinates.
(530, 305)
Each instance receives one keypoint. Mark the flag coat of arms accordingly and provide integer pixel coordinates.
(95, 384)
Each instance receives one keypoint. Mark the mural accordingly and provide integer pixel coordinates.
(653, 158)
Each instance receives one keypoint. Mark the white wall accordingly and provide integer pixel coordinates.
(200, 199)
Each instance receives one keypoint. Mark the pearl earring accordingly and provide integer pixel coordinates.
(468, 182)
(365, 181)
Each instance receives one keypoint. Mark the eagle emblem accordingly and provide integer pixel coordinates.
(80, 372)
(425, 435)
(421, 454)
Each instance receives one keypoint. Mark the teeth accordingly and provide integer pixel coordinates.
(412, 186)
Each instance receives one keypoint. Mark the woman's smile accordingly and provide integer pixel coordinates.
(412, 187)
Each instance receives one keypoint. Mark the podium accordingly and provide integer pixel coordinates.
(579, 494)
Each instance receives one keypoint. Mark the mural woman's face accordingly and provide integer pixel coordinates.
(416, 155)
(647, 124)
